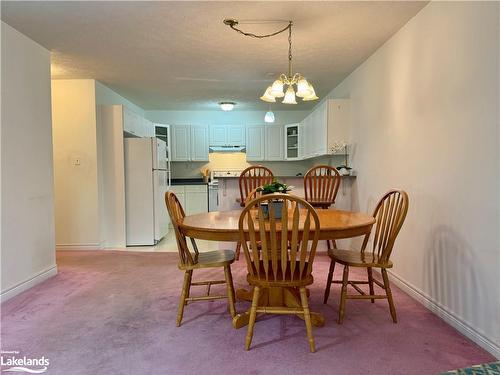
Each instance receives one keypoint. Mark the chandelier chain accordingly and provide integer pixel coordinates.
(305, 90)
(290, 49)
(232, 24)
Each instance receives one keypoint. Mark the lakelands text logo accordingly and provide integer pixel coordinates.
(11, 361)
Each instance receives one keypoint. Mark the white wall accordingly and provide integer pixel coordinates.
(105, 96)
(75, 137)
(27, 242)
(426, 119)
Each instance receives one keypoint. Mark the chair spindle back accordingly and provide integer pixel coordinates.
(278, 248)
(177, 213)
(321, 184)
(255, 193)
(252, 178)
(390, 214)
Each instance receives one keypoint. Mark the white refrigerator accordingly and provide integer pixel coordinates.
(147, 178)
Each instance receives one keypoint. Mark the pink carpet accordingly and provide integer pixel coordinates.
(114, 313)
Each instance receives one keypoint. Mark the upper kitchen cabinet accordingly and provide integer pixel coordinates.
(236, 135)
(189, 142)
(227, 135)
(132, 122)
(274, 143)
(199, 143)
(180, 142)
(264, 143)
(148, 128)
(292, 139)
(255, 143)
(218, 135)
(327, 124)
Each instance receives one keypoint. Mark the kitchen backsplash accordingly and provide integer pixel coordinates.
(237, 160)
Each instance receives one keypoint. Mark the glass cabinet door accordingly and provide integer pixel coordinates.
(292, 141)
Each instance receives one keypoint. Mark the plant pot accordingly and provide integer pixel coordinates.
(277, 206)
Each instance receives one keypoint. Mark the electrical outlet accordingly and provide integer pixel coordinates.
(76, 161)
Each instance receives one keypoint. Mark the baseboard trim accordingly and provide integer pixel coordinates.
(25, 285)
(79, 246)
(453, 320)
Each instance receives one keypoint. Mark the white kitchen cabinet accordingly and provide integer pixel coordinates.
(218, 135)
(199, 143)
(196, 199)
(180, 142)
(274, 143)
(306, 141)
(136, 125)
(193, 198)
(319, 131)
(189, 142)
(132, 122)
(235, 135)
(327, 124)
(255, 144)
(292, 141)
(148, 128)
(180, 192)
(227, 135)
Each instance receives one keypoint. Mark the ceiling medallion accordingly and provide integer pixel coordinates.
(305, 90)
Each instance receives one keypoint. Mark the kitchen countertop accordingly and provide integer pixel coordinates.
(188, 181)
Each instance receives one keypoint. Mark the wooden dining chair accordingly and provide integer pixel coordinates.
(321, 185)
(279, 253)
(188, 262)
(390, 214)
(255, 193)
(250, 179)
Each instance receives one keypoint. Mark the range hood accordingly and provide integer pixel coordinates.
(227, 149)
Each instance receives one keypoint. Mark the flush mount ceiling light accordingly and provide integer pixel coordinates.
(227, 106)
(304, 89)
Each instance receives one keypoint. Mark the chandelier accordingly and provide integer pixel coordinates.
(277, 90)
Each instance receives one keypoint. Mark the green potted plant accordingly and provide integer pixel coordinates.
(274, 187)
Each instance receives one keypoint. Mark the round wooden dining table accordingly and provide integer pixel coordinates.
(223, 226)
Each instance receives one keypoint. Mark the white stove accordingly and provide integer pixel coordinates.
(225, 173)
(213, 186)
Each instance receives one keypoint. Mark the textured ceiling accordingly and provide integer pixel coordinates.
(180, 56)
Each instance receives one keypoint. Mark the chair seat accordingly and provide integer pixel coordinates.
(287, 281)
(357, 258)
(218, 258)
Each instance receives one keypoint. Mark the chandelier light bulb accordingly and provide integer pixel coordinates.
(269, 117)
(277, 89)
(303, 89)
(267, 97)
(227, 106)
(312, 96)
(290, 96)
